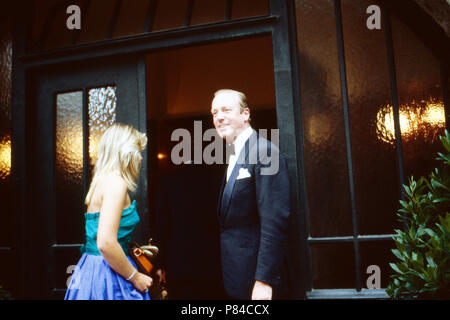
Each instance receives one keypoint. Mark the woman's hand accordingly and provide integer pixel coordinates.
(141, 282)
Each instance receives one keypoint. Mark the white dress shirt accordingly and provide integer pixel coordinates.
(238, 145)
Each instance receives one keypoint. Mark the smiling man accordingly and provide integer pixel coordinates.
(254, 207)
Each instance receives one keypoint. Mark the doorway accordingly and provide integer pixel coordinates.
(183, 196)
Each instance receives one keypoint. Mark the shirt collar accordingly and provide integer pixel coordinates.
(241, 139)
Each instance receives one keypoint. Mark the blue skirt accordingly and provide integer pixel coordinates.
(93, 279)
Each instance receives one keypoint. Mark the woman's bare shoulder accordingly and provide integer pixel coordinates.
(114, 180)
(108, 184)
(113, 184)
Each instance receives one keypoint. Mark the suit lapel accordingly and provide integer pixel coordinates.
(219, 202)
(241, 162)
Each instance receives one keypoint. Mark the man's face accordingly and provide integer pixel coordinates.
(227, 116)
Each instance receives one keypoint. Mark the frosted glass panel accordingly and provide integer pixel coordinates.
(69, 173)
(323, 120)
(5, 104)
(6, 212)
(333, 266)
(5, 157)
(102, 114)
(69, 135)
(375, 170)
(422, 116)
(377, 253)
(69, 167)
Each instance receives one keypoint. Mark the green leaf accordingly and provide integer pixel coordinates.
(431, 262)
(441, 200)
(423, 246)
(398, 254)
(405, 204)
(431, 233)
(395, 268)
(407, 190)
(437, 184)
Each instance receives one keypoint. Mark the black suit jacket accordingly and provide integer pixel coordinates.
(253, 216)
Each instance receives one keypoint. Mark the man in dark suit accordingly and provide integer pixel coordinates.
(254, 203)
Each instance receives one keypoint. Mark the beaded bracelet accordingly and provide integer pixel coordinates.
(132, 275)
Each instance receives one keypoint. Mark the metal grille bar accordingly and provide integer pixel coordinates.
(343, 76)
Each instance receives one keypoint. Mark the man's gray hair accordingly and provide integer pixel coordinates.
(241, 97)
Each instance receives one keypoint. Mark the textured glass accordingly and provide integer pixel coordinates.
(69, 167)
(99, 17)
(377, 253)
(323, 121)
(170, 14)
(249, 8)
(207, 11)
(102, 114)
(5, 158)
(374, 161)
(5, 104)
(333, 266)
(131, 19)
(422, 116)
(6, 212)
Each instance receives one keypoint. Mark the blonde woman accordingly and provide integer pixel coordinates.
(105, 272)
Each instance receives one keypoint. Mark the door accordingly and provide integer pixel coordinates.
(74, 104)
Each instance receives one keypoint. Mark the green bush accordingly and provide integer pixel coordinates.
(423, 269)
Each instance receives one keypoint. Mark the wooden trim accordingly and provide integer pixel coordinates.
(156, 40)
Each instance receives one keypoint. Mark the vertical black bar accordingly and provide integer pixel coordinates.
(21, 181)
(343, 76)
(86, 160)
(114, 18)
(444, 86)
(51, 214)
(150, 16)
(190, 6)
(306, 247)
(229, 8)
(142, 126)
(395, 106)
(285, 107)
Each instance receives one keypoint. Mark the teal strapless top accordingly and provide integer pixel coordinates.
(128, 221)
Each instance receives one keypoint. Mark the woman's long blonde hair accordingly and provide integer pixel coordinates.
(119, 150)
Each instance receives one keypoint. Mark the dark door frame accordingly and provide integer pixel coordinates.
(278, 24)
(42, 204)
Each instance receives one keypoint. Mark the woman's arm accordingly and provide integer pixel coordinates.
(114, 191)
